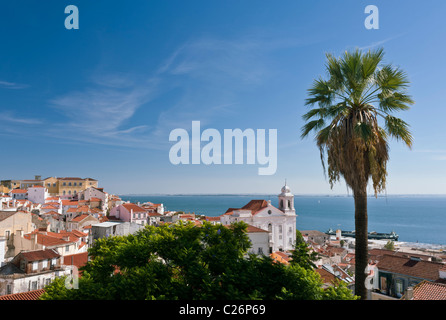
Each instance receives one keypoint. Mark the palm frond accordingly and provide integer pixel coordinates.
(398, 129)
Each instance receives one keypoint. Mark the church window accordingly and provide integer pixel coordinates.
(289, 204)
(281, 204)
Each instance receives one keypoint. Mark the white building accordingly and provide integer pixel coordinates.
(37, 194)
(92, 192)
(19, 194)
(279, 222)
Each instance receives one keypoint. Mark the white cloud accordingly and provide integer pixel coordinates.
(12, 85)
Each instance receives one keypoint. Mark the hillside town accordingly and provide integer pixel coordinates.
(48, 225)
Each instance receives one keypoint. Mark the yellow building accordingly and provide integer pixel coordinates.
(52, 184)
(68, 186)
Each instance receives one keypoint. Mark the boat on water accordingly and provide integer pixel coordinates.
(371, 235)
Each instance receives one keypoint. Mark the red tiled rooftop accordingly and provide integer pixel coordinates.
(38, 255)
(134, 207)
(427, 290)
(19, 191)
(255, 205)
(30, 295)
(411, 267)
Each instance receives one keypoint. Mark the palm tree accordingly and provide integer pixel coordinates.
(359, 91)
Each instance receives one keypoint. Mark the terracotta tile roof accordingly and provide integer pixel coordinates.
(51, 212)
(19, 191)
(212, 218)
(48, 240)
(76, 233)
(78, 260)
(95, 199)
(80, 218)
(52, 198)
(255, 206)
(49, 207)
(134, 207)
(30, 295)
(38, 255)
(280, 257)
(37, 186)
(69, 203)
(231, 211)
(411, 267)
(327, 277)
(427, 290)
(252, 229)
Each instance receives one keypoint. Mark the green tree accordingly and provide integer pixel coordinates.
(359, 91)
(183, 261)
(390, 245)
(303, 256)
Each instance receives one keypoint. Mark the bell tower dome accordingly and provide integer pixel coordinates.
(286, 200)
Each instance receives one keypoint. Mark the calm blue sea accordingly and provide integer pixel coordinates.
(419, 219)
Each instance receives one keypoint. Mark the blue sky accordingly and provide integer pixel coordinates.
(101, 101)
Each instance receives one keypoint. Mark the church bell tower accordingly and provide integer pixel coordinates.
(286, 201)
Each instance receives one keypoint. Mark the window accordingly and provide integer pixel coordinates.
(399, 287)
(34, 285)
(67, 248)
(7, 233)
(64, 192)
(47, 281)
(75, 184)
(69, 191)
(54, 185)
(45, 264)
(53, 262)
(64, 184)
(280, 228)
(383, 281)
(69, 184)
(48, 185)
(8, 289)
(260, 251)
(35, 265)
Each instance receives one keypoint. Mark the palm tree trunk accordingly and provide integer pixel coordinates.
(361, 240)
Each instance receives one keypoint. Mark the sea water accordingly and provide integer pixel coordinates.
(415, 219)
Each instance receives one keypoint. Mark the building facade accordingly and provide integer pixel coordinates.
(279, 222)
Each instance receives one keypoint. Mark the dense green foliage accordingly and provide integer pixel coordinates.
(183, 261)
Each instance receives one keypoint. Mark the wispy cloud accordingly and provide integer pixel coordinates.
(8, 117)
(12, 85)
(206, 75)
(102, 112)
(378, 43)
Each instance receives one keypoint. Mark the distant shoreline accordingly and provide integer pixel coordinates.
(266, 194)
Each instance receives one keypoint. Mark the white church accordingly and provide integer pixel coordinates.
(280, 222)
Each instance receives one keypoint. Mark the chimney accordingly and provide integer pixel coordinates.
(34, 240)
(409, 294)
